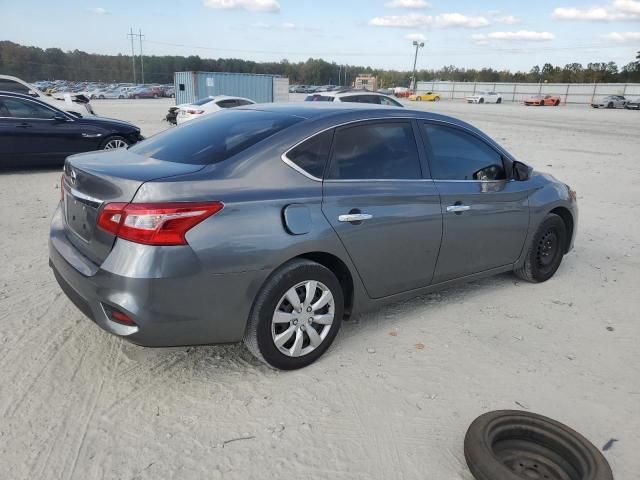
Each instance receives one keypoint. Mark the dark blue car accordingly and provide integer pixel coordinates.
(35, 133)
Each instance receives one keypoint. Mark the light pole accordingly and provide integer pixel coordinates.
(415, 61)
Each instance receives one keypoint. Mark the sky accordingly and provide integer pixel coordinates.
(513, 35)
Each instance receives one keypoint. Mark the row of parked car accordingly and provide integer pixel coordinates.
(101, 90)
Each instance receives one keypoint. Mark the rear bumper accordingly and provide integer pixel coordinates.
(186, 306)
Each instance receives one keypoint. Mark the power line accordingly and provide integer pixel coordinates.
(441, 52)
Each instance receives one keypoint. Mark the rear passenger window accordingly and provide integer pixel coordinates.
(457, 155)
(311, 155)
(375, 151)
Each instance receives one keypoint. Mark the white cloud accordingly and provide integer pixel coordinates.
(98, 10)
(519, 36)
(627, 6)
(506, 19)
(622, 37)
(418, 37)
(408, 4)
(270, 6)
(413, 20)
(617, 10)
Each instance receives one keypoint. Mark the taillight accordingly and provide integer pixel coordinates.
(155, 223)
(62, 187)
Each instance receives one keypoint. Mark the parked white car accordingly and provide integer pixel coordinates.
(353, 96)
(74, 103)
(485, 97)
(209, 105)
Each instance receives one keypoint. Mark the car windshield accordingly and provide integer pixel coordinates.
(214, 138)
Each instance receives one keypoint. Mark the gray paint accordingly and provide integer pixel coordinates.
(203, 292)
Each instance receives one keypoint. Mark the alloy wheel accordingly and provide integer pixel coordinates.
(302, 318)
(115, 143)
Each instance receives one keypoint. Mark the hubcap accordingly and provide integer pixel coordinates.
(302, 318)
(547, 248)
(116, 143)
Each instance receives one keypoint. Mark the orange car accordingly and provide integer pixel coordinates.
(542, 100)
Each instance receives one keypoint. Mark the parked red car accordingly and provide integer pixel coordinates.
(147, 92)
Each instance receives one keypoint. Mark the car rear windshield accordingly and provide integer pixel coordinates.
(215, 137)
(319, 98)
(202, 101)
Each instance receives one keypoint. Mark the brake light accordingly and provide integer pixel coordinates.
(155, 223)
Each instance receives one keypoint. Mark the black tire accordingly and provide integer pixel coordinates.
(481, 100)
(557, 103)
(516, 445)
(155, 95)
(436, 99)
(545, 252)
(101, 97)
(499, 100)
(610, 105)
(113, 138)
(258, 334)
(418, 99)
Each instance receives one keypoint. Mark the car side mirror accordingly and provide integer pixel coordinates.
(521, 171)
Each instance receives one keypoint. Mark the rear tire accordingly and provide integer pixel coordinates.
(610, 105)
(273, 302)
(418, 99)
(481, 100)
(499, 100)
(436, 99)
(101, 97)
(557, 103)
(545, 252)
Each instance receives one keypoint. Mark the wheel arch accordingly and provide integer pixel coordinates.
(340, 270)
(567, 218)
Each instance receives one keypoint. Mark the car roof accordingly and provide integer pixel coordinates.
(317, 110)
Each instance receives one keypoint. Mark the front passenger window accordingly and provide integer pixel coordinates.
(19, 108)
(458, 155)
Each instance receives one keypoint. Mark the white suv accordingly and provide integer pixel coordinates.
(353, 96)
(76, 104)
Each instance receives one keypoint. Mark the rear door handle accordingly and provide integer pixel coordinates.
(23, 125)
(354, 217)
(458, 208)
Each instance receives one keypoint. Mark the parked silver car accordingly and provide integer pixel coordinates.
(272, 223)
(610, 101)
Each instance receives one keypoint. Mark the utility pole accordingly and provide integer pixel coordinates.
(133, 55)
(141, 57)
(415, 61)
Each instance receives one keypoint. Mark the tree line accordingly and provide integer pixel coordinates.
(33, 63)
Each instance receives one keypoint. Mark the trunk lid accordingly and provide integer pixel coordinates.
(94, 179)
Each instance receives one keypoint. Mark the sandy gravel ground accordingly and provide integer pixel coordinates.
(77, 403)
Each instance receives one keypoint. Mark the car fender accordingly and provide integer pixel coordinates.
(548, 194)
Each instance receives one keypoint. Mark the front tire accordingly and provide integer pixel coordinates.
(610, 105)
(114, 142)
(481, 100)
(296, 316)
(499, 100)
(545, 252)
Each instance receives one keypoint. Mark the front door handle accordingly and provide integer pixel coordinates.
(354, 217)
(458, 208)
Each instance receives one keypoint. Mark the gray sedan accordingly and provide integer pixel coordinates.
(270, 224)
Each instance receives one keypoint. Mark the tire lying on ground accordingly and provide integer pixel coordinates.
(516, 445)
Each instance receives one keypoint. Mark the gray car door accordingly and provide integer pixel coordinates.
(485, 213)
(384, 211)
